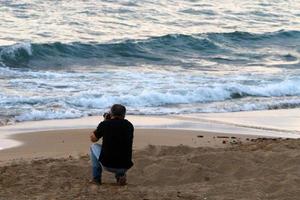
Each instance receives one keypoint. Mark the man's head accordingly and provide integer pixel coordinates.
(118, 111)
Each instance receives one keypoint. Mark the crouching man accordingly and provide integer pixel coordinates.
(115, 153)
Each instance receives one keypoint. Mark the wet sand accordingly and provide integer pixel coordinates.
(64, 143)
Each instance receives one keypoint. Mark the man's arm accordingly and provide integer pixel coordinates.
(97, 134)
(93, 137)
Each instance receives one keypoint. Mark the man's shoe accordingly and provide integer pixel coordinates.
(95, 182)
(121, 180)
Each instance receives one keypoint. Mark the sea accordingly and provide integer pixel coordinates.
(70, 59)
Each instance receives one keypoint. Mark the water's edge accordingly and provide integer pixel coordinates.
(242, 123)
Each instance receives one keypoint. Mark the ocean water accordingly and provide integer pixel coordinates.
(68, 59)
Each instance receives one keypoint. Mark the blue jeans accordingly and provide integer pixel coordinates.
(97, 166)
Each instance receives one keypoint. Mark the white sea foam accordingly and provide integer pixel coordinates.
(189, 95)
(36, 95)
(89, 108)
(13, 49)
(48, 114)
(283, 88)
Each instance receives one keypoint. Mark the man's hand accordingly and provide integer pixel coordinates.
(93, 137)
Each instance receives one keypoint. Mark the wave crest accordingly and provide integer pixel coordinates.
(15, 54)
(163, 49)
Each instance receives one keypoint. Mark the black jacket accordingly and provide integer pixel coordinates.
(117, 142)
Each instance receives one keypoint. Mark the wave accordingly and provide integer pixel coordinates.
(165, 49)
(16, 54)
(218, 97)
(160, 97)
(69, 113)
(93, 99)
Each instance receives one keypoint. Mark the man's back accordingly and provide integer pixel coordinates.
(117, 141)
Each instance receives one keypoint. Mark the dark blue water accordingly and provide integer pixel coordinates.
(66, 60)
(171, 49)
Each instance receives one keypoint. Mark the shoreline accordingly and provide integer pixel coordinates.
(194, 155)
(271, 123)
(281, 120)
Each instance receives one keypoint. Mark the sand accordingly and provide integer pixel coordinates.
(169, 164)
(284, 120)
(75, 142)
(279, 123)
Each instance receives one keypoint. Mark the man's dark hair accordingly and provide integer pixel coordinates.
(118, 110)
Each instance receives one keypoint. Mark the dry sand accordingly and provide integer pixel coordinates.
(193, 165)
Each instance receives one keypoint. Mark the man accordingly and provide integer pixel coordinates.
(115, 153)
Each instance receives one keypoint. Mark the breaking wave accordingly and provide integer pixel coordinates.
(165, 49)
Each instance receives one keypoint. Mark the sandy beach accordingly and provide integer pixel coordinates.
(169, 164)
(212, 89)
(75, 143)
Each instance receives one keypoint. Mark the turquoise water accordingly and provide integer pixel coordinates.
(73, 59)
